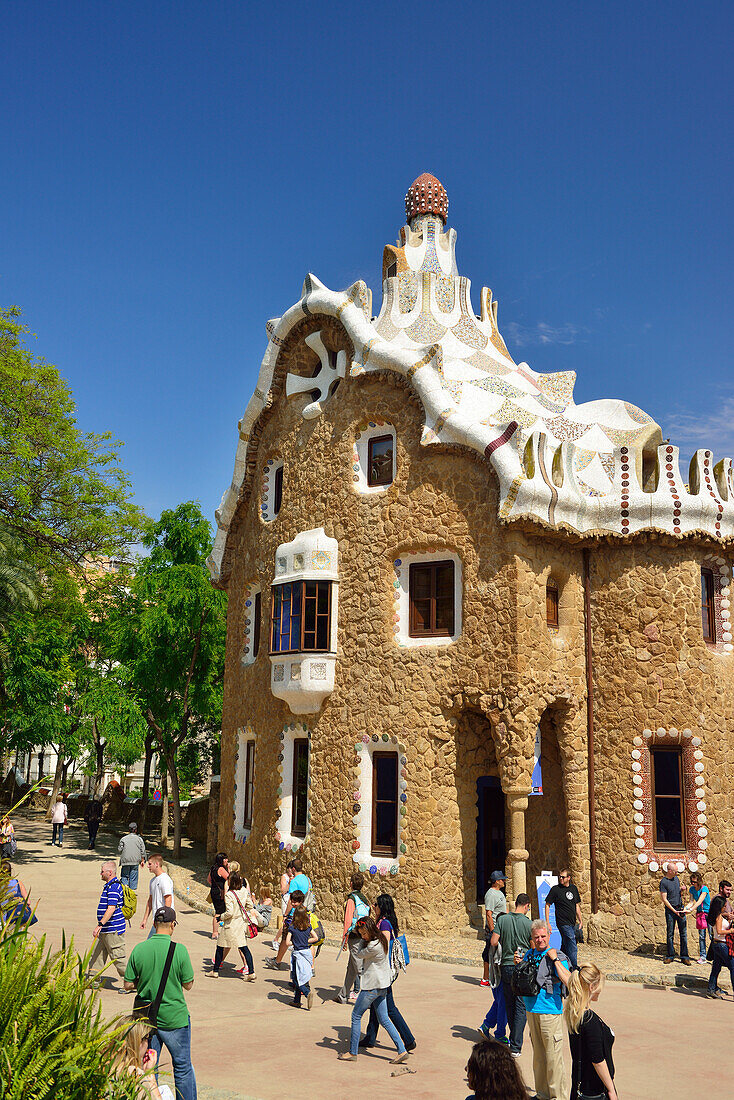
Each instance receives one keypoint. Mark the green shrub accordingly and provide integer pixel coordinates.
(54, 1042)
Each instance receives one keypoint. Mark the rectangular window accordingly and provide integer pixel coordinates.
(708, 605)
(551, 604)
(379, 460)
(432, 599)
(249, 779)
(668, 811)
(385, 803)
(278, 491)
(300, 786)
(300, 617)
(257, 621)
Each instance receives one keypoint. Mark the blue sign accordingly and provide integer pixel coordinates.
(536, 781)
(157, 796)
(543, 883)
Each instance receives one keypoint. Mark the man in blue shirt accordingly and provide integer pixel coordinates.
(545, 1014)
(110, 930)
(302, 882)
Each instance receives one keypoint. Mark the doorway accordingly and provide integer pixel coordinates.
(491, 850)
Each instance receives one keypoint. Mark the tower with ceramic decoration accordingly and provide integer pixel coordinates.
(446, 577)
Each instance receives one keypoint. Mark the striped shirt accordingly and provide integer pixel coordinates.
(111, 895)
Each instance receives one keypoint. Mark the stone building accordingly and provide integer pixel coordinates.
(442, 573)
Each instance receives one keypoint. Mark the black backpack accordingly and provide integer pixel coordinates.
(525, 978)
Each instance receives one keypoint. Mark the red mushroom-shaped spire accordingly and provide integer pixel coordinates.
(426, 195)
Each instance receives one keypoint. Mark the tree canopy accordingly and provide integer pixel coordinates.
(62, 491)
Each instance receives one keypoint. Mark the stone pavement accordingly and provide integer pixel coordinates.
(249, 1044)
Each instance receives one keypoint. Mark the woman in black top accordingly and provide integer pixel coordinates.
(592, 1068)
(217, 882)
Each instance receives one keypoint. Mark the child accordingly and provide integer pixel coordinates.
(299, 938)
(274, 964)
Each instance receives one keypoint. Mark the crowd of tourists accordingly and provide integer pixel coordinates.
(535, 988)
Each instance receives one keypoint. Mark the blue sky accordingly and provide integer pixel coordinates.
(172, 170)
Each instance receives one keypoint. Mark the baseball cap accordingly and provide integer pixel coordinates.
(133, 827)
(498, 876)
(164, 915)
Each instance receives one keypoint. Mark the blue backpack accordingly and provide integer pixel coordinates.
(361, 909)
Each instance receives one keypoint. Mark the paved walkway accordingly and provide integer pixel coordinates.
(249, 1043)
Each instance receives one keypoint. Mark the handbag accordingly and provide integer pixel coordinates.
(524, 979)
(251, 927)
(701, 921)
(150, 1012)
(399, 955)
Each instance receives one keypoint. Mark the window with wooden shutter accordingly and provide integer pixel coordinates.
(668, 810)
(432, 599)
(278, 491)
(708, 605)
(256, 625)
(249, 782)
(299, 800)
(380, 451)
(551, 605)
(385, 803)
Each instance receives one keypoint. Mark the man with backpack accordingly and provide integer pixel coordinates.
(110, 931)
(160, 970)
(357, 907)
(512, 933)
(541, 976)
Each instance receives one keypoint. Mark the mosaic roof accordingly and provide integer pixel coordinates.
(600, 466)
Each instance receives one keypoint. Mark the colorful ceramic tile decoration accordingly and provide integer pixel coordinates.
(694, 801)
(474, 395)
(362, 804)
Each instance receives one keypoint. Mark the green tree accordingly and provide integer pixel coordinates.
(62, 492)
(171, 637)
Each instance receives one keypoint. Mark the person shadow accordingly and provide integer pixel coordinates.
(337, 1042)
(461, 1031)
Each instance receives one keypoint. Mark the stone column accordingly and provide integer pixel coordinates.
(517, 856)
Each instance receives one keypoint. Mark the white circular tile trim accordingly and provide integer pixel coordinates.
(681, 867)
(637, 803)
(642, 857)
(654, 866)
(636, 754)
(636, 767)
(639, 819)
(701, 819)
(702, 858)
(703, 845)
(637, 741)
(639, 793)
(703, 831)
(696, 742)
(697, 755)
(692, 866)
(639, 843)
(701, 805)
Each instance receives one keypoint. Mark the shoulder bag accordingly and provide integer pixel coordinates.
(150, 1012)
(250, 926)
(524, 979)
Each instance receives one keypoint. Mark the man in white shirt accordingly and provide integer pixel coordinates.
(161, 890)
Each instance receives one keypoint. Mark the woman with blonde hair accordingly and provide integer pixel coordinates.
(591, 1040)
(138, 1059)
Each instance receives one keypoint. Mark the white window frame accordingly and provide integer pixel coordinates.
(244, 735)
(285, 801)
(402, 598)
(361, 457)
(247, 657)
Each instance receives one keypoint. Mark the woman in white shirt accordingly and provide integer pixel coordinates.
(373, 963)
(58, 820)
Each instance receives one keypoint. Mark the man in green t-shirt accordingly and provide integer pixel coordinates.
(512, 931)
(173, 1025)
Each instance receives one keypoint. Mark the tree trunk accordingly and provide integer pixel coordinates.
(176, 792)
(40, 775)
(28, 769)
(99, 753)
(57, 782)
(149, 741)
(164, 806)
(65, 772)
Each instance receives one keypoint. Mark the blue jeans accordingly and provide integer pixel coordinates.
(515, 1008)
(178, 1044)
(378, 998)
(299, 990)
(402, 1028)
(671, 920)
(497, 1015)
(129, 876)
(722, 960)
(58, 828)
(568, 943)
(702, 946)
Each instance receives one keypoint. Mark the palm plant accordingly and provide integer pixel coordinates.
(18, 578)
(54, 1042)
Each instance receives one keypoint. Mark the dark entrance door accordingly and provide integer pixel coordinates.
(491, 849)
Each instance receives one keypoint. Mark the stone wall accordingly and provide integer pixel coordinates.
(471, 708)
